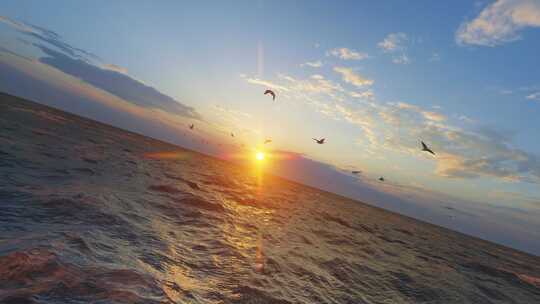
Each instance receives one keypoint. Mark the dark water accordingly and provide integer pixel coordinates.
(93, 214)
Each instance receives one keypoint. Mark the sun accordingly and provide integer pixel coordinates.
(259, 156)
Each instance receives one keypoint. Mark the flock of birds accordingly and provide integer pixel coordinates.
(321, 141)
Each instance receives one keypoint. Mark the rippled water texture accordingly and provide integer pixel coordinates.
(90, 213)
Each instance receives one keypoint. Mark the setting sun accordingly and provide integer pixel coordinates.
(259, 156)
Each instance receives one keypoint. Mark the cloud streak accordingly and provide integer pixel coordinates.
(396, 43)
(393, 42)
(401, 59)
(347, 54)
(499, 23)
(399, 127)
(534, 96)
(313, 64)
(349, 76)
(108, 77)
(266, 84)
(116, 83)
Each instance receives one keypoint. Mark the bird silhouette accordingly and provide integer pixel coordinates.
(319, 141)
(425, 148)
(356, 172)
(381, 179)
(191, 126)
(271, 93)
(232, 134)
(267, 141)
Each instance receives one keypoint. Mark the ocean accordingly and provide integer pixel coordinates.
(94, 214)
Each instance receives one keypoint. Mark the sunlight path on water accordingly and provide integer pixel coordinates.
(111, 218)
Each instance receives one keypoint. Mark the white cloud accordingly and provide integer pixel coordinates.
(460, 154)
(316, 84)
(393, 42)
(287, 77)
(347, 54)
(466, 119)
(433, 116)
(396, 43)
(313, 64)
(349, 76)
(267, 84)
(307, 90)
(534, 96)
(399, 127)
(401, 59)
(18, 25)
(114, 68)
(364, 95)
(500, 23)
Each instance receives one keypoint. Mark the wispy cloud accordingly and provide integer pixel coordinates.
(108, 77)
(399, 127)
(401, 59)
(434, 116)
(462, 154)
(500, 23)
(364, 95)
(115, 68)
(393, 42)
(313, 64)
(114, 82)
(349, 76)
(347, 54)
(266, 84)
(465, 118)
(20, 26)
(49, 37)
(396, 44)
(534, 96)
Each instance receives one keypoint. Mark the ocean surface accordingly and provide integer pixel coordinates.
(94, 214)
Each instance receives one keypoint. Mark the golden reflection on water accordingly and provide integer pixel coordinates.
(240, 248)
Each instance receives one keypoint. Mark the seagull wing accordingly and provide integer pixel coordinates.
(271, 93)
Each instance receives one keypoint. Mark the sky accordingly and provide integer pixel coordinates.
(374, 79)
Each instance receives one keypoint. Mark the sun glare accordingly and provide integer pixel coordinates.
(259, 156)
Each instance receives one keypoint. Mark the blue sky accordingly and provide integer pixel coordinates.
(373, 78)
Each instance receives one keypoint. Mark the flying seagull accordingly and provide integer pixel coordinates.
(271, 93)
(319, 141)
(232, 134)
(381, 179)
(356, 172)
(267, 141)
(425, 148)
(191, 126)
